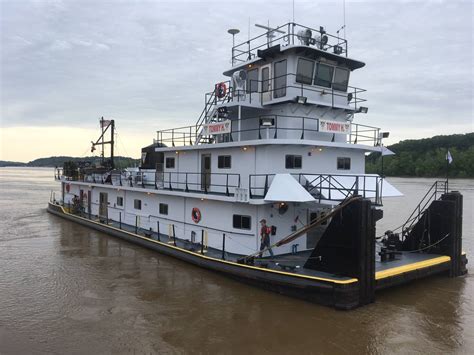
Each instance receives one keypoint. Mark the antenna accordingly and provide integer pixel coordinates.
(233, 32)
(270, 32)
(344, 16)
(293, 11)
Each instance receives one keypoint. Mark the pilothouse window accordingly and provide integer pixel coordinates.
(279, 81)
(304, 72)
(252, 80)
(341, 79)
(265, 79)
(323, 75)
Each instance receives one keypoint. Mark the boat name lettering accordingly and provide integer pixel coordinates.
(217, 128)
(334, 127)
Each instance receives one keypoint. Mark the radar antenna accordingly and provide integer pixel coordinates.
(271, 32)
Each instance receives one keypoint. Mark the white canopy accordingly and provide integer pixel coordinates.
(336, 187)
(285, 188)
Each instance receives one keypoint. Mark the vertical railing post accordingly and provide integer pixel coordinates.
(227, 185)
(202, 241)
(223, 246)
(174, 235)
(120, 220)
(158, 230)
(169, 181)
(265, 188)
(136, 224)
(186, 176)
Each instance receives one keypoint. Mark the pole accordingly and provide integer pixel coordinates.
(112, 129)
(158, 229)
(174, 236)
(382, 161)
(223, 246)
(120, 220)
(447, 170)
(136, 224)
(202, 241)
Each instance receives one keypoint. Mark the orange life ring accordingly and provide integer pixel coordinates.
(196, 215)
(221, 90)
(68, 187)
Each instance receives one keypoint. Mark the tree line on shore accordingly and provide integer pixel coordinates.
(427, 157)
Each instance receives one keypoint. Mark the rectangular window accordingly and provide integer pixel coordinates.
(293, 162)
(163, 208)
(343, 163)
(252, 80)
(224, 161)
(304, 71)
(323, 75)
(341, 79)
(170, 163)
(119, 201)
(137, 204)
(242, 222)
(279, 81)
(265, 79)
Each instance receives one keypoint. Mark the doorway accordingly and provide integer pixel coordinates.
(103, 205)
(205, 172)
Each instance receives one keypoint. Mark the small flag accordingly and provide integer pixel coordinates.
(104, 123)
(449, 158)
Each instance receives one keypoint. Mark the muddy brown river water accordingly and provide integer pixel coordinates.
(66, 289)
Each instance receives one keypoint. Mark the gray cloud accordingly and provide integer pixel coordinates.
(148, 63)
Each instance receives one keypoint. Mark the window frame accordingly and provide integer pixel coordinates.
(223, 159)
(169, 159)
(119, 198)
(266, 81)
(162, 208)
(315, 75)
(294, 158)
(252, 84)
(341, 163)
(139, 204)
(335, 85)
(279, 92)
(240, 220)
(311, 78)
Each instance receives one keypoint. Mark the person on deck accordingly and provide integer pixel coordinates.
(265, 237)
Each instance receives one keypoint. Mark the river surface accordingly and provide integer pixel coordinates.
(66, 289)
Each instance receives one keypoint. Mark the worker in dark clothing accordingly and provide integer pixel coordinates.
(265, 237)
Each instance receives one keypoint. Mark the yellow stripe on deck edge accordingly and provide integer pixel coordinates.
(343, 282)
(411, 267)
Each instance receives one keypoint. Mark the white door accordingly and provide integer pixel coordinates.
(266, 80)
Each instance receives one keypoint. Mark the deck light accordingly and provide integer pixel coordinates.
(301, 99)
(363, 109)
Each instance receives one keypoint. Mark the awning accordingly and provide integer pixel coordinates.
(336, 187)
(285, 188)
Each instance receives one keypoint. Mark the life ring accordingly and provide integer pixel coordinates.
(221, 90)
(68, 187)
(196, 215)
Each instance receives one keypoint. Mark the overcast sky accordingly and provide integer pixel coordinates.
(148, 64)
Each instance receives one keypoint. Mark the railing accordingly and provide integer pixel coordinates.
(246, 51)
(439, 188)
(295, 127)
(208, 183)
(325, 187)
(254, 94)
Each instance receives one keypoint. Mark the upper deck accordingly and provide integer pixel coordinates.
(290, 34)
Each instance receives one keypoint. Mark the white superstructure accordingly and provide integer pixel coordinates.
(276, 141)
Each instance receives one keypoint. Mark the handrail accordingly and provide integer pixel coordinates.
(323, 182)
(245, 51)
(186, 136)
(438, 188)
